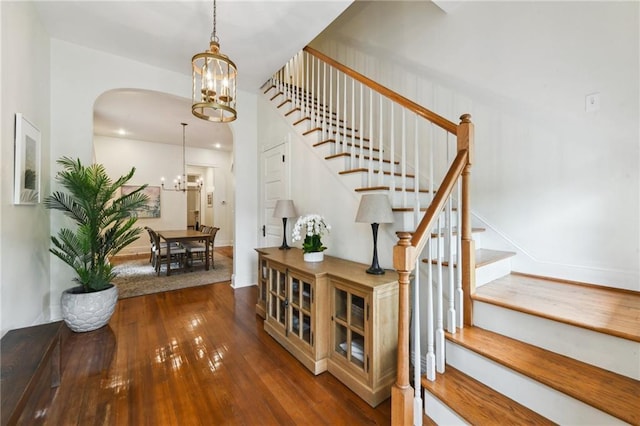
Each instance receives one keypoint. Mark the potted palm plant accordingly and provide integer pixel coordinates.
(104, 224)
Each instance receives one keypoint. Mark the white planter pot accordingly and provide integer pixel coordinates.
(316, 256)
(88, 311)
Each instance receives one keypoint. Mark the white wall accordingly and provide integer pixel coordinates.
(245, 204)
(558, 185)
(24, 230)
(155, 160)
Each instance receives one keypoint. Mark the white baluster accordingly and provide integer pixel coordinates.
(403, 160)
(361, 126)
(416, 166)
(370, 168)
(417, 356)
(330, 115)
(343, 142)
(325, 120)
(338, 116)
(392, 149)
(380, 144)
(451, 313)
(431, 356)
(439, 302)
(459, 294)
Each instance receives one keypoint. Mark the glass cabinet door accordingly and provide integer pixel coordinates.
(300, 305)
(264, 277)
(277, 295)
(349, 319)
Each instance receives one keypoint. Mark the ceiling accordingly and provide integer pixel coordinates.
(259, 36)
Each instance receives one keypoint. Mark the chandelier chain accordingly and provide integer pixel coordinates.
(213, 34)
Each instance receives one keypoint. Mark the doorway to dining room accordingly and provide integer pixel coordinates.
(142, 129)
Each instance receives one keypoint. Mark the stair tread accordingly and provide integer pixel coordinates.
(366, 157)
(365, 170)
(454, 231)
(477, 403)
(484, 257)
(349, 144)
(607, 310)
(387, 188)
(610, 392)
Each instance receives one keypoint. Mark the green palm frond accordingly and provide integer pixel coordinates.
(105, 223)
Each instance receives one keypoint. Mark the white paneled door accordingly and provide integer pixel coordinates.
(275, 186)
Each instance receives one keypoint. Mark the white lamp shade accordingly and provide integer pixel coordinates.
(284, 208)
(374, 208)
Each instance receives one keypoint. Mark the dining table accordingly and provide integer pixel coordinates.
(182, 235)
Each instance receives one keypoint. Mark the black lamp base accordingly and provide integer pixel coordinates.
(284, 245)
(375, 268)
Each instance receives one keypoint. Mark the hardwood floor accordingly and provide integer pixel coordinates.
(197, 356)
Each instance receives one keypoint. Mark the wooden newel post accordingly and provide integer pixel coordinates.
(466, 142)
(404, 259)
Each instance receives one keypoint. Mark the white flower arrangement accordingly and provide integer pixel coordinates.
(314, 227)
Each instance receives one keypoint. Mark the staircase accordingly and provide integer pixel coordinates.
(533, 350)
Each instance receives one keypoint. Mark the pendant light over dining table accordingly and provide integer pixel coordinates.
(214, 82)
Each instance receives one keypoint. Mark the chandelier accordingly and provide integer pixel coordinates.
(180, 182)
(214, 82)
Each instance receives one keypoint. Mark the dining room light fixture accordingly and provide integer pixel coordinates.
(180, 182)
(214, 82)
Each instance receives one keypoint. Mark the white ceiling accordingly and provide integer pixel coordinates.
(259, 36)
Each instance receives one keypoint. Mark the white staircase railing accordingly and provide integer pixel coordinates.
(423, 161)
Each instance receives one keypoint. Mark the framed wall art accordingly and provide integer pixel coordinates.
(152, 208)
(209, 199)
(27, 162)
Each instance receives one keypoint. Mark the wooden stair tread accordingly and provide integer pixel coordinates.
(387, 188)
(349, 144)
(479, 404)
(612, 311)
(483, 257)
(454, 231)
(365, 170)
(612, 393)
(366, 157)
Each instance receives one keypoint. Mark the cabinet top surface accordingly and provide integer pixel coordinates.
(333, 266)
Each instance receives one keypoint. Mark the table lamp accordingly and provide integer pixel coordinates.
(284, 209)
(375, 209)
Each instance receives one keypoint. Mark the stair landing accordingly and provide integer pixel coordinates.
(607, 310)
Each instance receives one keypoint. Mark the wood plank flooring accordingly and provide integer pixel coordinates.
(197, 356)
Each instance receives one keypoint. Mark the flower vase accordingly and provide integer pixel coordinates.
(314, 256)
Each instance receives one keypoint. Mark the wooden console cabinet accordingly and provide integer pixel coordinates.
(332, 315)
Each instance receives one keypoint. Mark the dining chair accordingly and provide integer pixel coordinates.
(212, 232)
(178, 253)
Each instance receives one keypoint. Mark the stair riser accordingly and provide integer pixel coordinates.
(611, 353)
(362, 180)
(346, 163)
(542, 399)
(439, 412)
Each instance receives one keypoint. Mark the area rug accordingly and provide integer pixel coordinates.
(137, 277)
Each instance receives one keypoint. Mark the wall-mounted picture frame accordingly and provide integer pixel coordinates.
(27, 172)
(151, 210)
(209, 199)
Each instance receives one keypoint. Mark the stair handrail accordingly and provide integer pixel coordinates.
(404, 260)
(423, 112)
